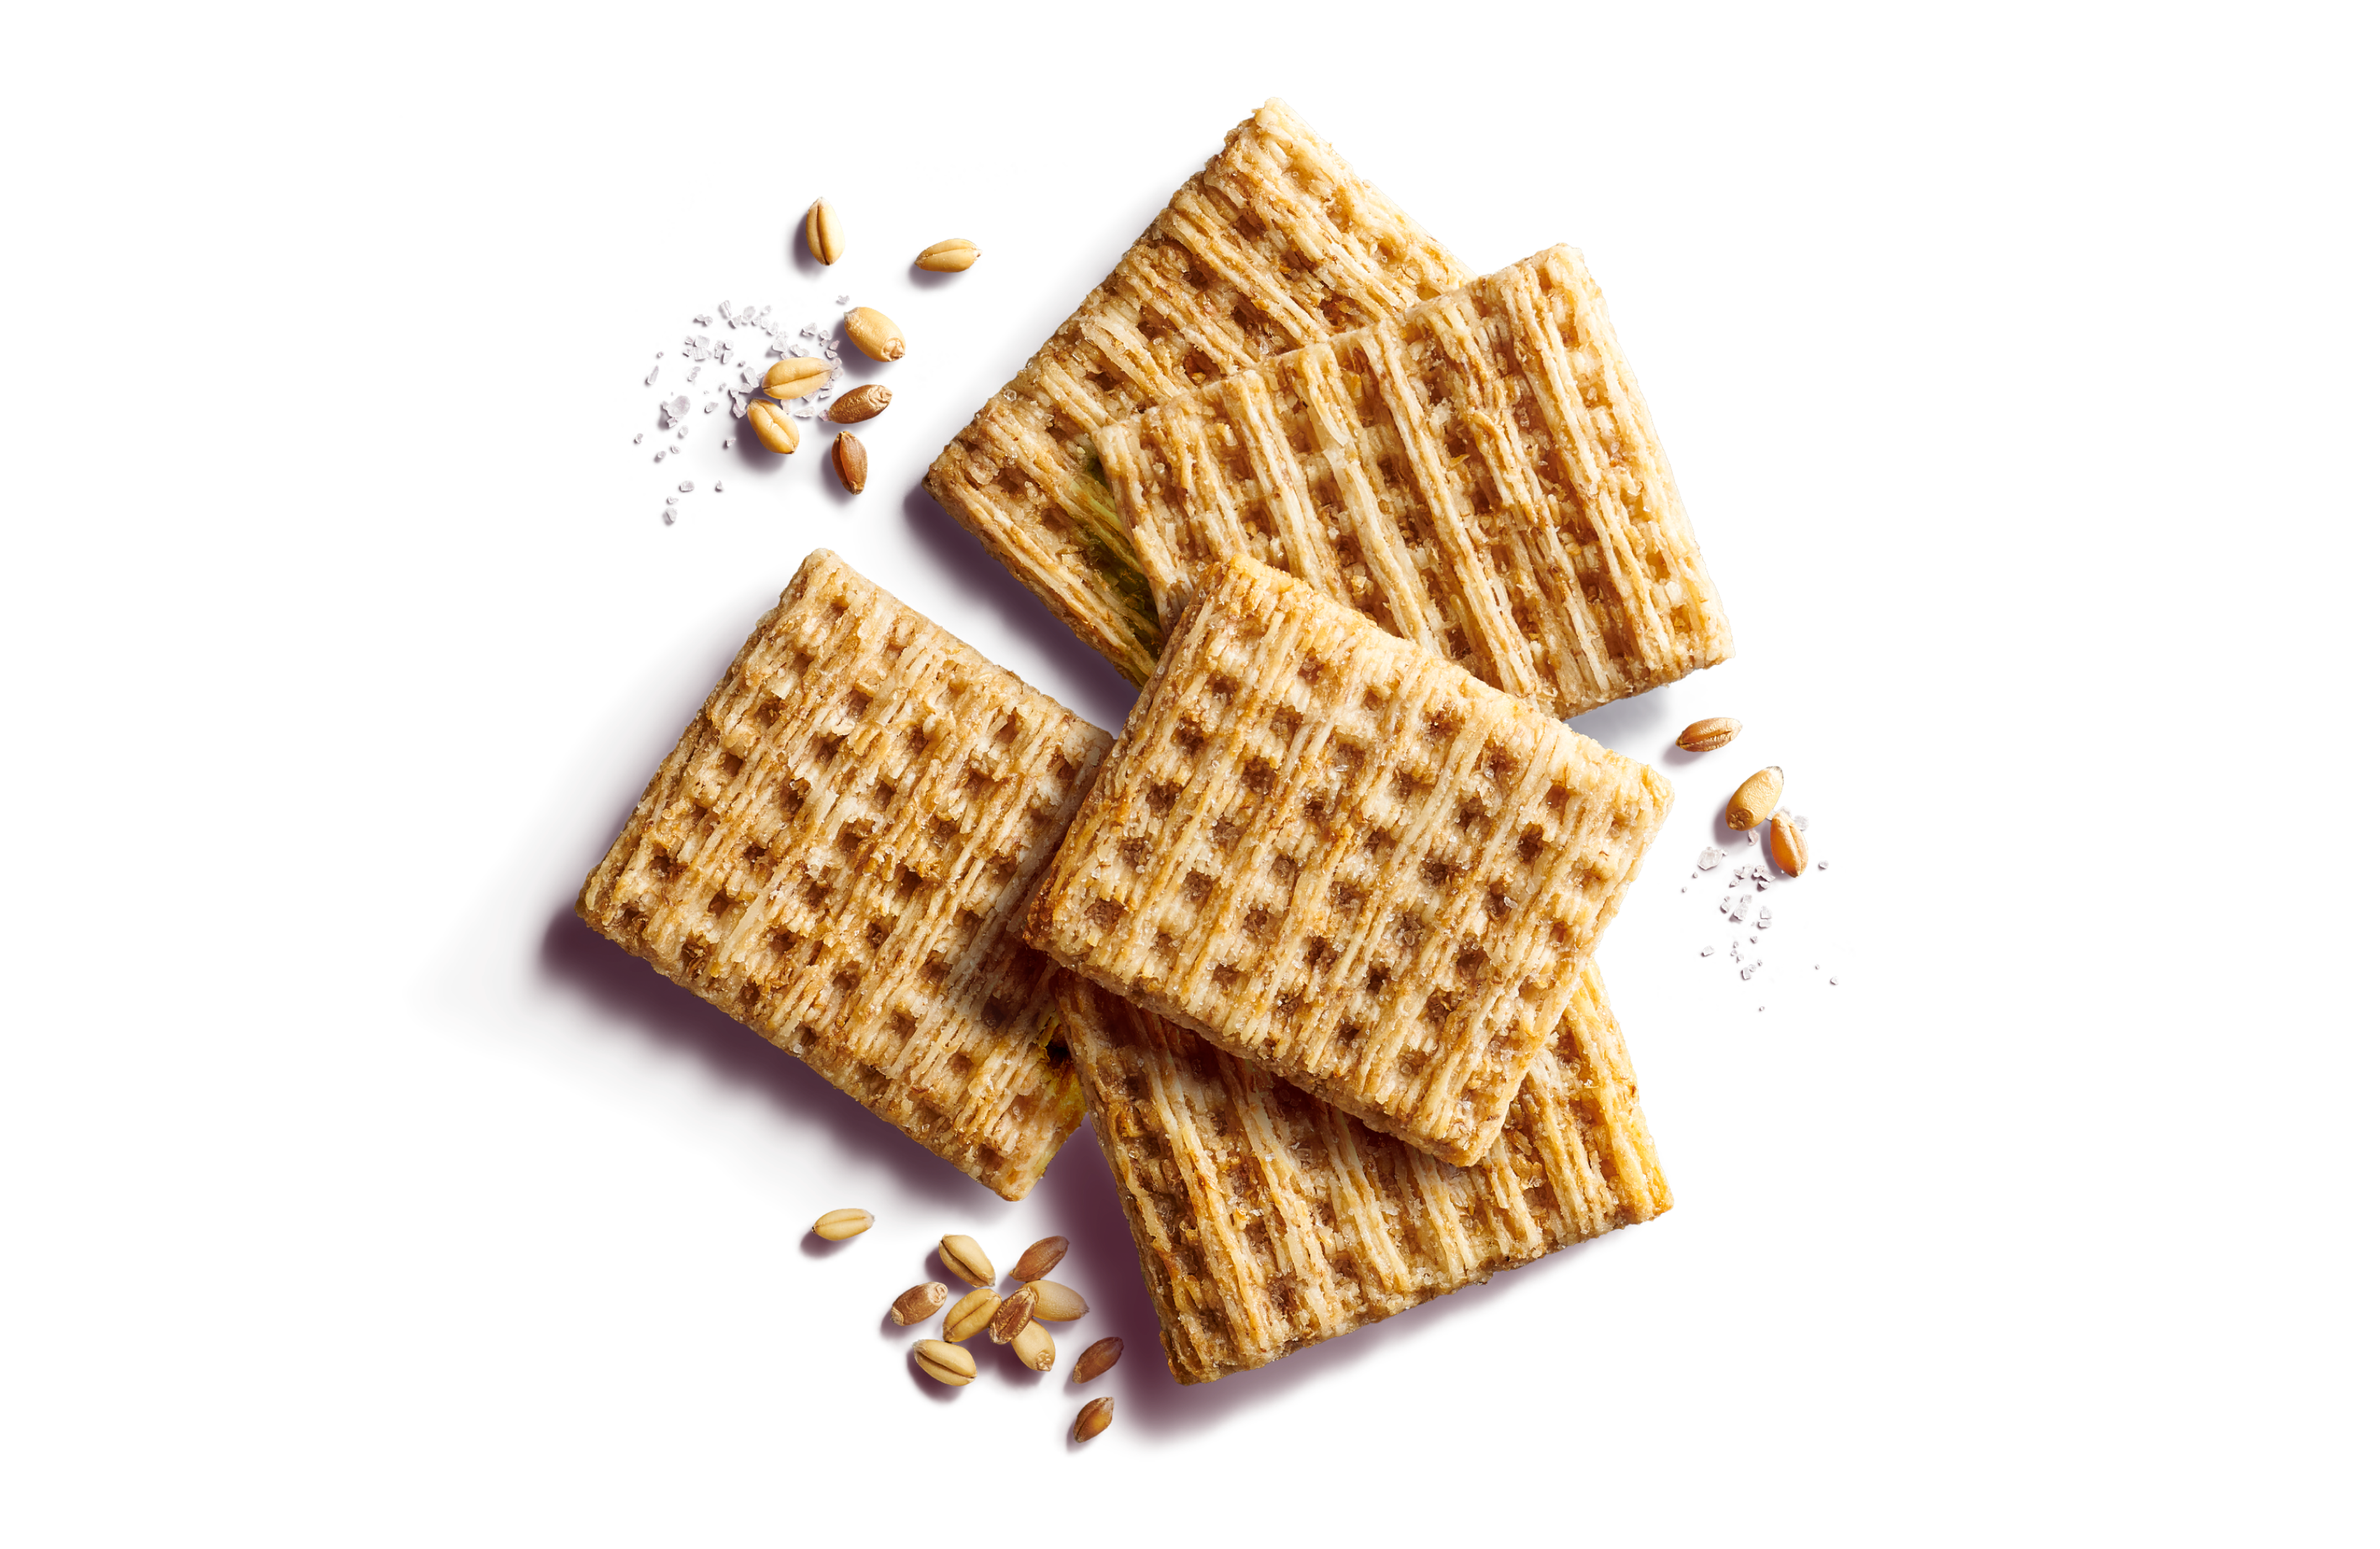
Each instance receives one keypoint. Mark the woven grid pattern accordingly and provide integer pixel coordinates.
(1343, 858)
(835, 853)
(1478, 476)
(1268, 1221)
(1275, 244)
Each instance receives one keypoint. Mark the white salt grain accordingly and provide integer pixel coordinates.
(650, 375)
(720, 487)
(1708, 950)
(684, 485)
(1710, 857)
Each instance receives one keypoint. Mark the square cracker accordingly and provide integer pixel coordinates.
(1478, 475)
(1273, 245)
(835, 854)
(1268, 1221)
(1347, 860)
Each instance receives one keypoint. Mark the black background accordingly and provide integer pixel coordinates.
(579, 1277)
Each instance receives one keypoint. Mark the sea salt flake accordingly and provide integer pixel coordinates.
(1708, 950)
(711, 408)
(843, 301)
(1710, 857)
(639, 440)
(720, 487)
(684, 485)
(651, 375)
(1822, 866)
(669, 518)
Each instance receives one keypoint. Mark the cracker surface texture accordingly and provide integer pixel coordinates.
(1478, 475)
(1275, 244)
(1342, 857)
(835, 855)
(1268, 1221)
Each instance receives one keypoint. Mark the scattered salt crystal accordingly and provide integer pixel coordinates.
(657, 456)
(1708, 950)
(720, 487)
(639, 440)
(1761, 923)
(1749, 969)
(650, 375)
(1833, 981)
(669, 518)
(1802, 821)
(702, 319)
(669, 500)
(1822, 866)
(1710, 857)
(711, 408)
(675, 448)
(684, 485)
(843, 301)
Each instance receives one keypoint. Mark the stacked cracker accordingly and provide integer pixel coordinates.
(1275, 244)
(1266, 1221)
(1478, 475)
(1341, 857)
(835, 855)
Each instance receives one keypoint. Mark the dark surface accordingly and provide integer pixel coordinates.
(581, 1271)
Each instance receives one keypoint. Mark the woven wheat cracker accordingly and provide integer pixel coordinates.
(1273, 245)
(1478, 475)
(1342, 857)
(1268, 1221)
(835, 854)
